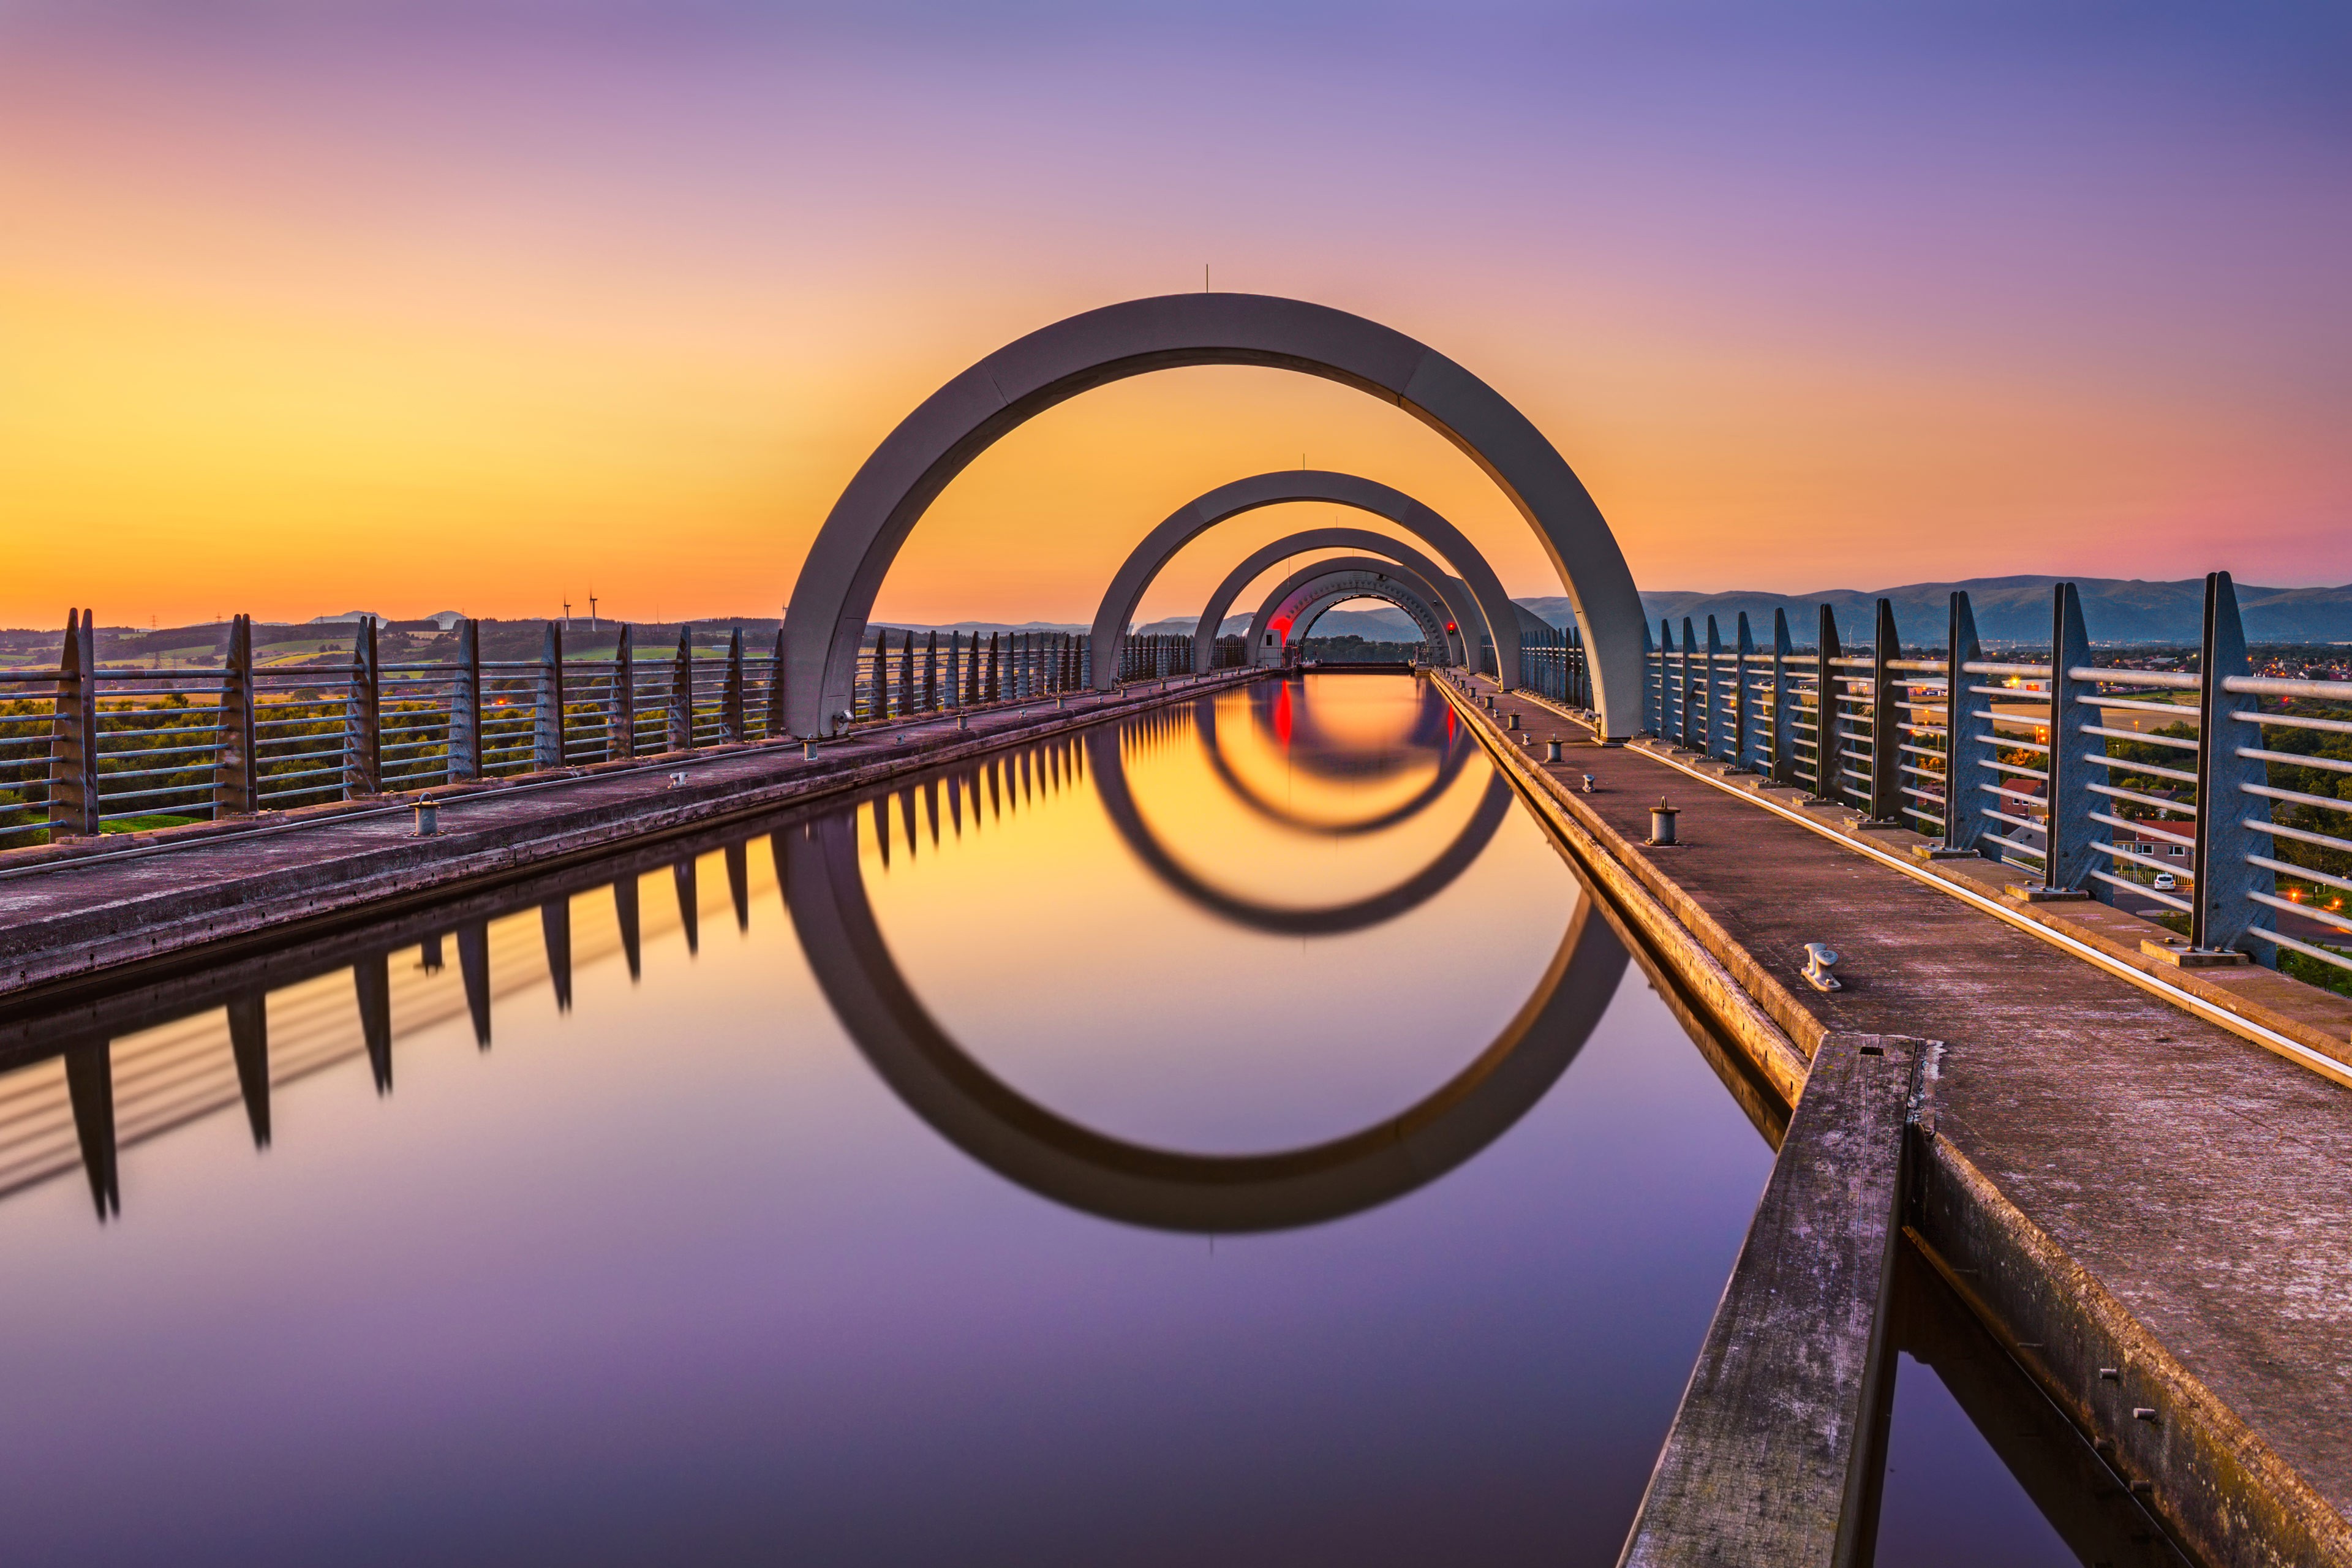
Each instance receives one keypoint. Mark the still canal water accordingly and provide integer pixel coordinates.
(1226, 1138)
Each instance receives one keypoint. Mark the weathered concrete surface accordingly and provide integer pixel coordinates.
(2075, 1488)
(2112, 1177)
(1774, 1454)
(75, 918)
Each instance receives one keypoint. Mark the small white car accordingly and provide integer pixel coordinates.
(2164, 882)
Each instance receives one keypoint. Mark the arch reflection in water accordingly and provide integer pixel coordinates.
(1119, 800)
(1299, 729)
(823, 880)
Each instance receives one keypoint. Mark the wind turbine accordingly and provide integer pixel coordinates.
(591, 607)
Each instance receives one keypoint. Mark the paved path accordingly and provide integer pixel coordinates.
(2195, 1181)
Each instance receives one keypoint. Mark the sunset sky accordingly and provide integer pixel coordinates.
(307, 307)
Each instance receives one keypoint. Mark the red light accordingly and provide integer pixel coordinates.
(1282, 714)
(1452, 627)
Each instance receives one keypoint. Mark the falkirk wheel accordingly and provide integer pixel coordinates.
(824, 624)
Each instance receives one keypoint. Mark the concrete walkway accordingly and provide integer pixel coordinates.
(2153, 1215)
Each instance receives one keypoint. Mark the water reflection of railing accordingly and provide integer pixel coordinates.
(84, 1082)
(136, 1061)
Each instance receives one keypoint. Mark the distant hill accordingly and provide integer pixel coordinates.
(2009, 609)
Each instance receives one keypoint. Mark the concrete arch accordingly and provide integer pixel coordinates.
(1492, 608)
(1306, 594)
(1456, 598)
(826, 621)
(1137, 1183)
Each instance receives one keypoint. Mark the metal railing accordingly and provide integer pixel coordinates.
(85, 749)
(2090, 778)
(1552, 665)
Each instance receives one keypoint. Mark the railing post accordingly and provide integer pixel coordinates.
(2069, 835)
(465, 703)
(931, 671)
(235, 785)
(730, 696)
(681, 693)
(73, 733)
(1654, 682)
(363, 719)
(1718, 722)
(1744, 700)
(1687, 702)
(2222, 907)
(547, 716)
(624, 709)
(1829, 724)
(1965, 753)
(1667, 727)
(1783, 762)
(777, 729)
(1886, 723)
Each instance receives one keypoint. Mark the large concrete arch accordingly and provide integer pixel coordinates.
(826, 621)
(1455, 596)
(1138, 1184)
(1320, 585)
(1203, 512)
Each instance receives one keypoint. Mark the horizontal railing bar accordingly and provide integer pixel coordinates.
(2304, 871)
(2296, 798)
(2160, 678)
(2278, 686)
(2135, 706)
(2300, 835)
(2142, 888)
(2300, 760)
(2323, 954)
(2175, 743)
(2295, 722)
(2325, 917)
(2116, 764)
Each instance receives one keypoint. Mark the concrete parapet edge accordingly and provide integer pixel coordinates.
(1657, 920)
(2222, 1491)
